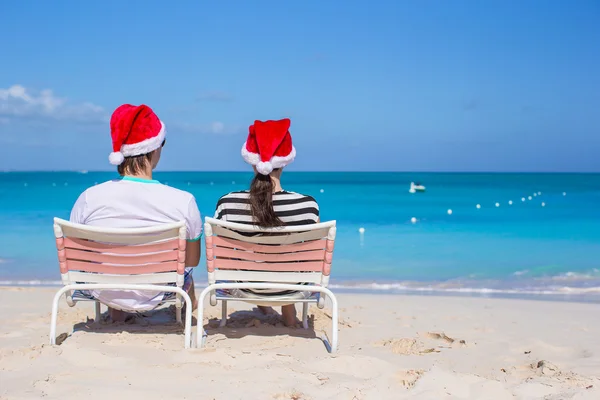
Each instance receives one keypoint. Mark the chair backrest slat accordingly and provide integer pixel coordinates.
(318, 244)
(121, 238)
(149, 279)
(270, 276)
(313, 255)
(83, 244)
(131, 259)
(273, 237)
(90, 251)
(309, 266)
(259, 255)
(120, 269)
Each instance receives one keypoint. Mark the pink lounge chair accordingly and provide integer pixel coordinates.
(293, 258)
(150, 259)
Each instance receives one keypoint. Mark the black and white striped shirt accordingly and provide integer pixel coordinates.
(291, 208)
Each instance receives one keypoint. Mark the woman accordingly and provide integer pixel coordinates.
(135, 200)
(269, 149)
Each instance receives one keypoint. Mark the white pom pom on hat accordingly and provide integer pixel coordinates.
(116, 158)
(264, 168)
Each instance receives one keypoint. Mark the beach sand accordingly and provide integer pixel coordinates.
(391, 347)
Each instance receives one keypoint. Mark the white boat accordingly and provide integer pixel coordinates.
(416, 187)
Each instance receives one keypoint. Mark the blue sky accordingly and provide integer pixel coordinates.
(368, 85)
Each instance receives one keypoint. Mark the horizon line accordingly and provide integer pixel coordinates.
(312, 171)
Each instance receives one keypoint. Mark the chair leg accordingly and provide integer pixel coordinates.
(178, 314)
(201, 333)
(305, 315)
(54, 316)
(178, 307)
(188, 321)
(223, 314)
(334, 323)
(98, 312)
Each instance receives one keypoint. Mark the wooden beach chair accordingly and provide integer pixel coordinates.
(92, 258)
(293, 258)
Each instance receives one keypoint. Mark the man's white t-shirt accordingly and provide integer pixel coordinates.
(135, 203)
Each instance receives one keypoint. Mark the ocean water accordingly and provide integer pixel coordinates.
(547, 247)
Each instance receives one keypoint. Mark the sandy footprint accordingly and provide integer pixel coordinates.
(428, 344)
(405, 346)
(409, 377)
(546, 370)
(441, 336)
(293, 395)
(321, 319)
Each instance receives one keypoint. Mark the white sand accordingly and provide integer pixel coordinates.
(391, 347)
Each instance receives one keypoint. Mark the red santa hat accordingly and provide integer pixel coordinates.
(135, 130)
(269, 145)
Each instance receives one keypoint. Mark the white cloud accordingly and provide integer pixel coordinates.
(216, 96)
(217, 127)
(214, 128)
(17, 102)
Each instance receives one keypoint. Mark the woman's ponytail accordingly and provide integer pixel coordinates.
(261, 202)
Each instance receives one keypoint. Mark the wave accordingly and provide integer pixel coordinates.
(567, 285)
(576, 276)
(401, 287)
(33, 282)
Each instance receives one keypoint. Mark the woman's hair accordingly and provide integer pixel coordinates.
(261, 202)
(135, 165)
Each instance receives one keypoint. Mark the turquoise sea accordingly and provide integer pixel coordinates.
(546, 247)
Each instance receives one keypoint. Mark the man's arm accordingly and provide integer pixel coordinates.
(192, 253)
(194, 230)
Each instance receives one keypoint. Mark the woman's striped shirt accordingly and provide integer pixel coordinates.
(291, 208)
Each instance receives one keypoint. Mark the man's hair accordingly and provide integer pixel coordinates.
(134, 165)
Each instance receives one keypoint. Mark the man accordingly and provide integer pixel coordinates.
(135, 200)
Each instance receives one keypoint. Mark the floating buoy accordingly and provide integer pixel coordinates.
(510, 202)
(478, 206)
(539, 193)
(212, 183)
(449, 212)
(54, 184)
(497, 204)
(543, 204)
(564, 193)
(529, 198)
(361, 230)
(233, 182)
(322, 190)
(66, 184)
(522, 198)
(413, 220)
(25, 184)
(535, 195)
